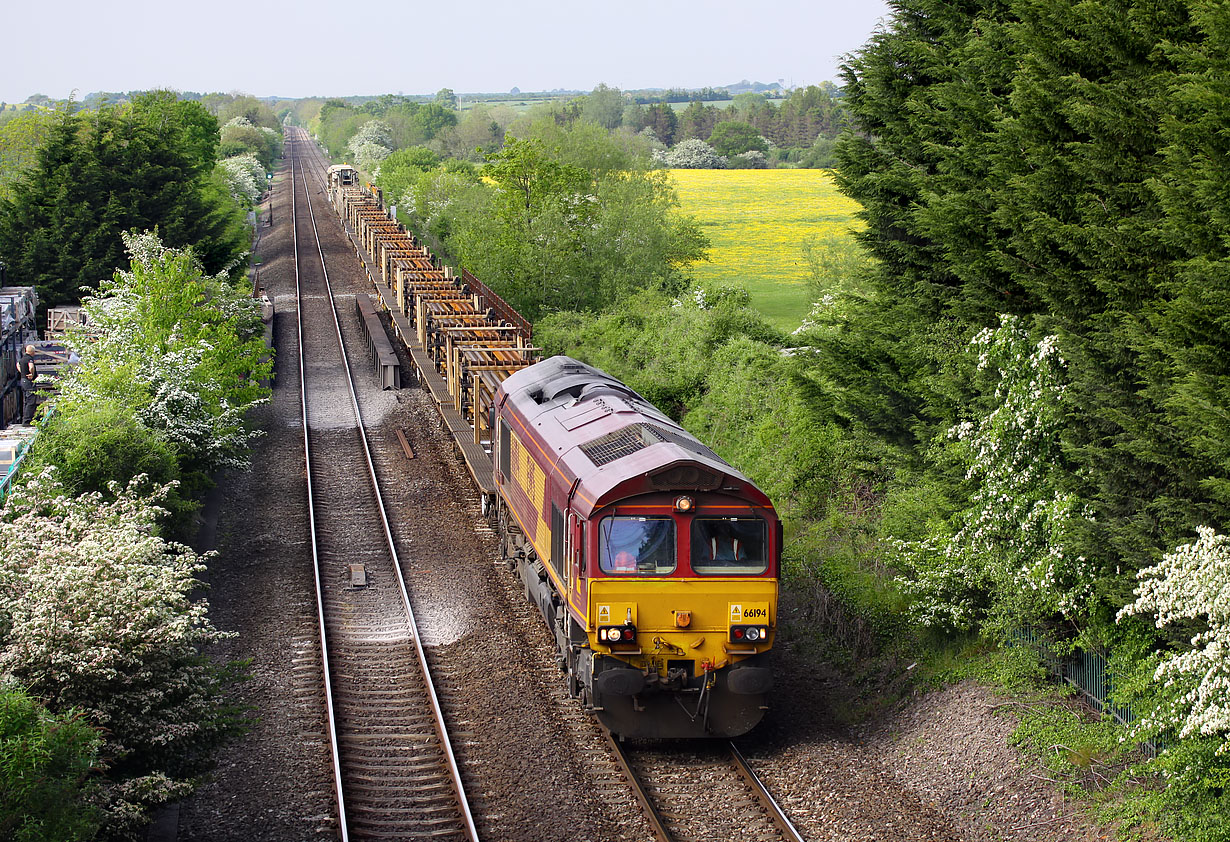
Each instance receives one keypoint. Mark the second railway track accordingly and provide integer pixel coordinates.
(701, 792)
(394, 773)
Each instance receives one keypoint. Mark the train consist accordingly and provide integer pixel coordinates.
(653, 562)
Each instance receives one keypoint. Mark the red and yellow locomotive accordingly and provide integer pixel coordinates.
(653, 562)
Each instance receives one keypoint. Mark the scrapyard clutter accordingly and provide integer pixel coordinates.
(31, 367)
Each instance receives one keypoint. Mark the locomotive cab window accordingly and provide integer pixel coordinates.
(637, 546)
(724, 546)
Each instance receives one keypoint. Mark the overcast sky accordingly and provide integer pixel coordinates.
(312, 48)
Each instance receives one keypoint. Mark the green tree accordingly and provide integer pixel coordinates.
(1189, 357)
(604, 106)
(477, 134)
(697, 121)
(402, 169)
(249, 108)
(145, 165)
(662, 119)
(20, 138)
(172, 362)
(733, 137)
(1059, 162)
(1080, 153)
(446, 98)
(429, 120)
(576, 222)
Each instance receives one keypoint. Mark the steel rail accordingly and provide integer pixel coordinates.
(403, 590)
(642, 798)
(762, 793)
(307, 459)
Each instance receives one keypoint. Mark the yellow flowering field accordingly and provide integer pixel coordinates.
(757, 222)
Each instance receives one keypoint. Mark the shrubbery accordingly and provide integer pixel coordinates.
(370, 145)
(693, 154)
(170, 363)
(99, 611)
(245, 177)
(47, 764)
(98, 616)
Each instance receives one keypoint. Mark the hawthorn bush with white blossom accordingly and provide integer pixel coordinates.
(245, 178)
(99, 612)
(176, 350)
(98, 615)
(691, 154)
(1008, 553)
(371, 144)
(1189, 586)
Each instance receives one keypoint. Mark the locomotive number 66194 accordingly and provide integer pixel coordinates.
(653, 562)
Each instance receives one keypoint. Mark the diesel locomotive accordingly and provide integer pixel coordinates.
(654, 563)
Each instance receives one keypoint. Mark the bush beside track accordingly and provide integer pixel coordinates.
(101, 618)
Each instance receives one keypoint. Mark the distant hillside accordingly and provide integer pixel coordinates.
(745, 86)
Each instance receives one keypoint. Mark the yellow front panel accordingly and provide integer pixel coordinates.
(708, 603)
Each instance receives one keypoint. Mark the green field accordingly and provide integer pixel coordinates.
(757, 222)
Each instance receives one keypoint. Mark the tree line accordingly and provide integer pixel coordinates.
(1039, 359)
(799, 130)
(76, 178)
(108, 704)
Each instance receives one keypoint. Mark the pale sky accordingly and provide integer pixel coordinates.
(314, 48)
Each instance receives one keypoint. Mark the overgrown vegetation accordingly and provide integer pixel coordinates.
(101, 619)
(46, 768)
(170, 364)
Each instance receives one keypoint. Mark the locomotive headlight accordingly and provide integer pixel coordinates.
(684, 504)
(753, 633)
(612, 634)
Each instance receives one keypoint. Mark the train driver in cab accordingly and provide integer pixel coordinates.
(728, 545)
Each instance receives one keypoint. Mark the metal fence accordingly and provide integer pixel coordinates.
(1087, 672)
(10, 471)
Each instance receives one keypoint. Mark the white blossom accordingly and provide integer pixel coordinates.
(245, 177)
(1012, 540)
(186, 383)
(371, 144)
(99, 614)
(1192, 583)
(692, 154)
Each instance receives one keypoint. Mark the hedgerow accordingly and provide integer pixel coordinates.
(100, 612)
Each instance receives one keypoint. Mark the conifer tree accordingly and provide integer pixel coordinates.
(1190, 371)
(135, 167)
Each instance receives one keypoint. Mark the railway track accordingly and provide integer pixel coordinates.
(702, 792)
(394, 772)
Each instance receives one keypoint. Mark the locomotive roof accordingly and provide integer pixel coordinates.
(607, 440)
